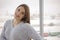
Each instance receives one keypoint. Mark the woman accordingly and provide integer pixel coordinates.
(19, 28)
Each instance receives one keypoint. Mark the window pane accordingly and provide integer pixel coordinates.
(52, 19)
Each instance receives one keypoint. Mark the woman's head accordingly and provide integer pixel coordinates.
(22, 13)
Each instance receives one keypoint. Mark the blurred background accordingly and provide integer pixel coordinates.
(51, 19)
(51, 15)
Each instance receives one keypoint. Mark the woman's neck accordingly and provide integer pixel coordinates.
(15, 22)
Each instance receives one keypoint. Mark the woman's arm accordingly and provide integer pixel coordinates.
(2, 37)
(32, 33)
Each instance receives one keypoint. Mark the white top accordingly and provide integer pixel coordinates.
(22, 31)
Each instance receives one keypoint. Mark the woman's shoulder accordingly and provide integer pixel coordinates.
(7, 22)
(28, 27)
(27, 24)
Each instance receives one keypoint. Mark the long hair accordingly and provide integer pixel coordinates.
(26, 18)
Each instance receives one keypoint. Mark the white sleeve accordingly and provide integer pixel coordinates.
(32, 33)
(2, 37)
